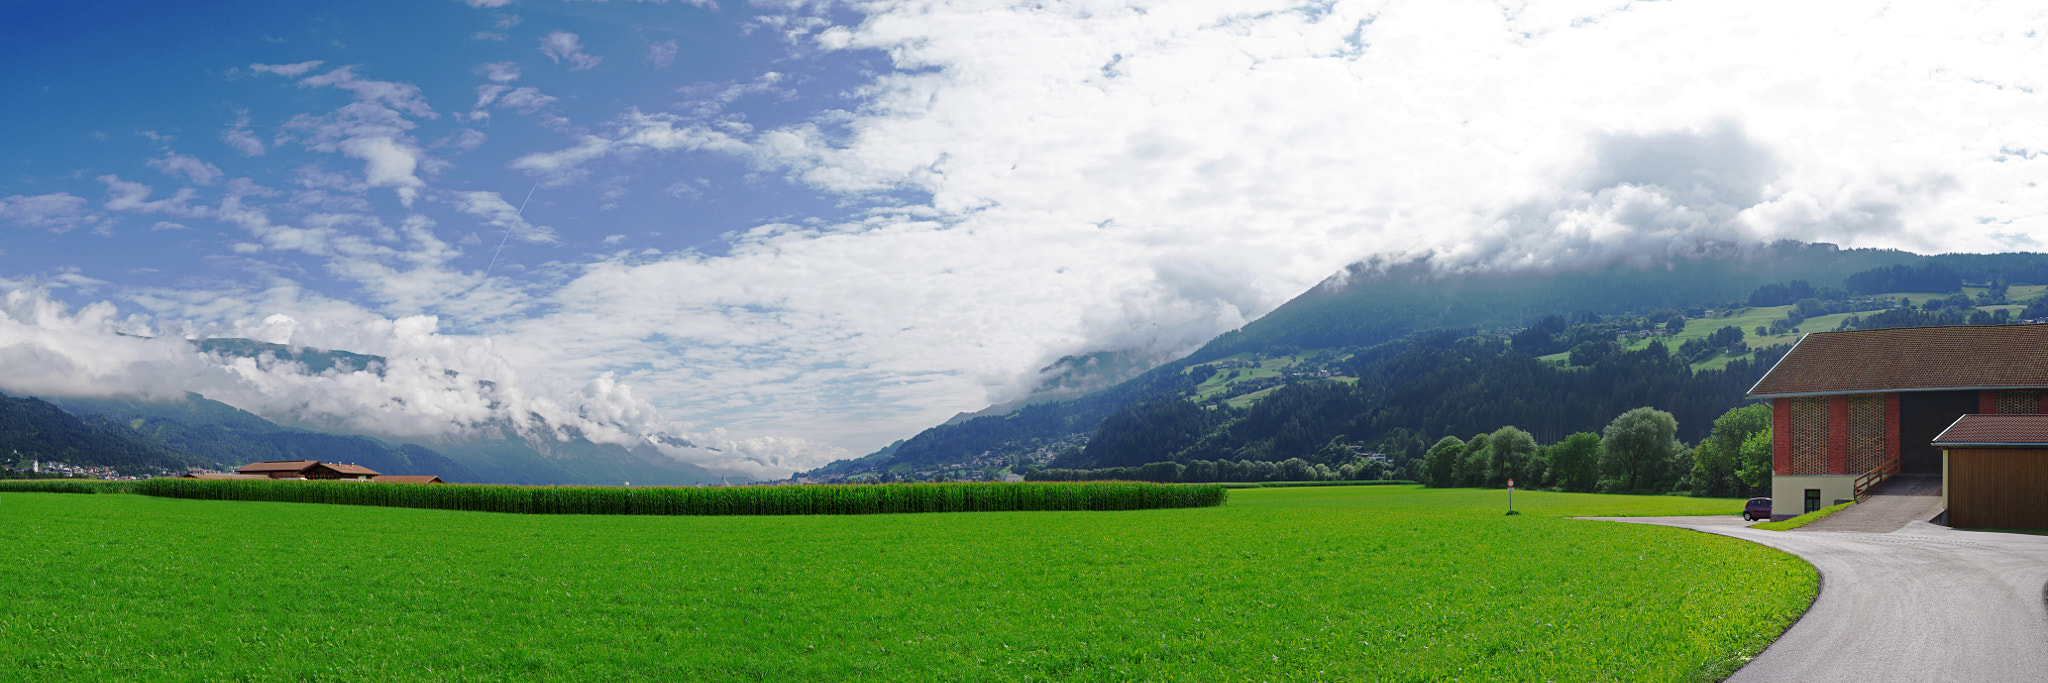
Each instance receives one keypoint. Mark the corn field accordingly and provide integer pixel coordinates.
(744, 500)
(65, 486)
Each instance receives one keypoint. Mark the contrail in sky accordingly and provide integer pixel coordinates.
(508, 229)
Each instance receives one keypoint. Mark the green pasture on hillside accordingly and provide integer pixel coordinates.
(1337, 583)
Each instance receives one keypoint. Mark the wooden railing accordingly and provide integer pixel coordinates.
(1871, 479)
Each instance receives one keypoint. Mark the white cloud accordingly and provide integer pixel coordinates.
(612, 192)
(565, 46)
(56, 212)
(711, 4)
(500, 214)
(464, 139)
(432, 385)
(487, 4)
(492, 36)
(662, 54)
(525, 99)
(168, 225)
(499, 72)
(286, 70)
(195, 170)
(387, 162)
(633, 133)
(239, 137)
(373, 129)
(133, 197)
(403, 97)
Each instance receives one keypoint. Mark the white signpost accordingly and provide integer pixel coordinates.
(1511, 496)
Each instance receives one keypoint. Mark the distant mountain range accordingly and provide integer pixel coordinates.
(145, 437)
(1390, 329)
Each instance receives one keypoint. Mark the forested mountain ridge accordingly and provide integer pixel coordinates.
(1399, 357)
(33, 429)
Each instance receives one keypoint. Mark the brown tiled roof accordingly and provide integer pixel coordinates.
(1996, 430)
(409, 478)
(1911, 359)
(352, 469)
(215, 475)
(277, 466)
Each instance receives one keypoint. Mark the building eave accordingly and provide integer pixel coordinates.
(1907, 390)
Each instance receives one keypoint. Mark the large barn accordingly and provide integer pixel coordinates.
(1855, 405)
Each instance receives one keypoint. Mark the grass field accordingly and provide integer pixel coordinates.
(1338, 583)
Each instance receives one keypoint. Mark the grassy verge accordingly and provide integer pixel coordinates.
(1802, 520)
(1330, 583)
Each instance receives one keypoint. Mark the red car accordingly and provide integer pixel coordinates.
(1758, 508)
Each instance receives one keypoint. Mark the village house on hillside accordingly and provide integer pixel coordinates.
(316, 470)
(1849, 409)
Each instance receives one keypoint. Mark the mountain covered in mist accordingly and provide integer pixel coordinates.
(137, 436)
(146, 436)
(1390, 356)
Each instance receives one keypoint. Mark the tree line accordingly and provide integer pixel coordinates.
(1637, 452)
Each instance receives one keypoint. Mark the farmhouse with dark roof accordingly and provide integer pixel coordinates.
(1849, 409)
(308, 469)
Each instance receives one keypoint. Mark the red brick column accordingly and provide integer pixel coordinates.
(1838, 434)
(1891, 427)
(1781, 436)
(1987, 403)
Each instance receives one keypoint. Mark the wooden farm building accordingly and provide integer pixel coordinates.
(1849, 409)
(1995, 471)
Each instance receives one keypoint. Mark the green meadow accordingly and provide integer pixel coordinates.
(1328, 583)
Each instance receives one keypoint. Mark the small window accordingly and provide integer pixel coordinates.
(1812, 500)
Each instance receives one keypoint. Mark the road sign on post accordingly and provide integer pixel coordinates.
(1511, 496)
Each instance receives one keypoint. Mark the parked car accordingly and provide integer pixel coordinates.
(1758, 508)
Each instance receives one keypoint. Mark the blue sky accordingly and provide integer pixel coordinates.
(109, 89)
(795, 230)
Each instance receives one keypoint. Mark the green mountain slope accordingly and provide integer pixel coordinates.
(1370, 330)
(34, 429)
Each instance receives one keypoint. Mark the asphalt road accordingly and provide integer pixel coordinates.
(1924, 603)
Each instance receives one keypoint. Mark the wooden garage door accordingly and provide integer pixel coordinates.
(1998, 488)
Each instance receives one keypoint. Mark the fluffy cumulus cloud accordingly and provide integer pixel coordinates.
(1009, 183)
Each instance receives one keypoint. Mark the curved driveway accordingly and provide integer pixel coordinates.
(1924, 603)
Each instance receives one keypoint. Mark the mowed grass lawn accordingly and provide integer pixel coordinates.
(1336, 583)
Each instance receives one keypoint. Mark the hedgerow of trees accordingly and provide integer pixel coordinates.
(1635, 453)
